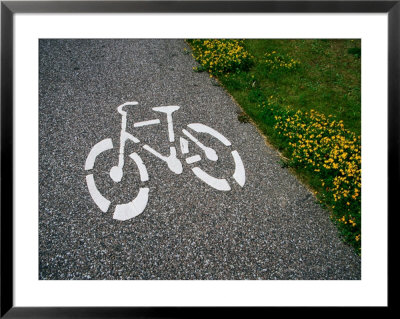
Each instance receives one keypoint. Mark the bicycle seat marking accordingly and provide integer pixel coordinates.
(133, 208)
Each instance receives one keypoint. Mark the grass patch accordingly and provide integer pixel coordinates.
(243, 118)
(305, 95)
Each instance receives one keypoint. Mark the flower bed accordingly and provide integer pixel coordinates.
(218, 56)
(323, 147)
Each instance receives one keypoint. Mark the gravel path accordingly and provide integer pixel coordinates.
(271, 228)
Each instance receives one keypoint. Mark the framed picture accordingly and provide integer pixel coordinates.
(212, 216)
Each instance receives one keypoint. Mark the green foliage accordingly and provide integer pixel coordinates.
(243, 118)
(219, 56)
(355, 51)
(278, 61)
(305, 95)
(322, 147)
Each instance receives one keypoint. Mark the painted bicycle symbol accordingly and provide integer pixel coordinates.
(137, 205)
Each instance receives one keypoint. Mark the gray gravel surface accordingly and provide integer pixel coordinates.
(271, 228)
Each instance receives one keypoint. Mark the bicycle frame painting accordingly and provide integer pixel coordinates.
(133, 208)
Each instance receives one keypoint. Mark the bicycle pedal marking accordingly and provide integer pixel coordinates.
(210, 153)
(174, 164)
(137, 205)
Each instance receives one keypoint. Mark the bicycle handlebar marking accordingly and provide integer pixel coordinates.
(136, 206)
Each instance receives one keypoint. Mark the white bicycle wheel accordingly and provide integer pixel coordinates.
(123, 211)
(220, 184)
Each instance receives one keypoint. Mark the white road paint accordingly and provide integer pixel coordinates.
(201, 128)
(145, 123)
(154, 152)
(122, 211)
(210, 153)
(168, 110)
(117, 171)
(174, 164)
(124, 114)
(127, 136)
(184, 145)
(137, 206)
(116, 174)
(144, 177)
(218, 183)
(99, 199)
(239, 175)
(133, 208)
(100, 147)
(193, 159)
(120, 108)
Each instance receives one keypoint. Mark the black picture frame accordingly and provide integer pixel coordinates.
(9, 8)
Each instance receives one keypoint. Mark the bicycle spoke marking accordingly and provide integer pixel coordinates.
(210, 153)
(220, 184)
(193, 159)
(174, 164)
(201, 128)
(184, 145)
